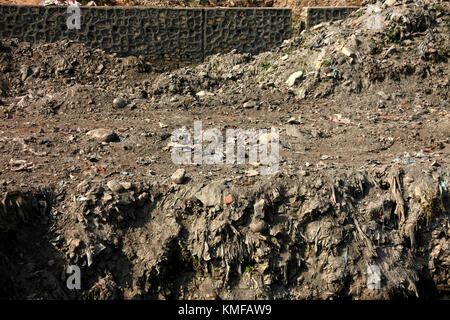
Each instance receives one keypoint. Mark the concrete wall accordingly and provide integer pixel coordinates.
(160, 33)
(315, 15)
(246, 29)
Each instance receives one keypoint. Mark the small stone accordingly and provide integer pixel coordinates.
(383, 95)
(24, 72)
(355, 41)
(126, 185)
(250, 104)
(347, 52)
(74, 244)
(178, 176)
(103, 135)
(119, 103)
(293, 120)
(228, 199)
(99, 68)
(107, 197)
(301, 93)
(258, 226)
(435, 164)
(390, 51)
(293, 78)
(114, 186)
(389, 3)
(293, 131)
(258, 208)
(303, 173)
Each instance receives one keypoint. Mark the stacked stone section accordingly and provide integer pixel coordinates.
(316, 15)
(246, 30)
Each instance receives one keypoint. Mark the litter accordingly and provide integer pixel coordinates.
(92, 251)
(335, 73)
(345, 257)
(406, 159)
(436, 251)
(126, 173)
(338, 118)
(444, 185)
(57, 240)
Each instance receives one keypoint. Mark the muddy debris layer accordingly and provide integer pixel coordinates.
(359, 207)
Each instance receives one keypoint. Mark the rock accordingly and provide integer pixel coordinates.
(114, 186)
(390, 51)
(293, 120)
(258, 208)
(250, 104)
(119, 103)
(24, 72)
(228, 199)
(201, 93)
(74, 244)
(104, 135)
(178, 176)
(126, 185)
(258, 226)
(99, 68)
(211, 195)
(355, 41)
(347, 52)
(293, 131)
(107, 197)
(301, 93)
(389, 3)
(294, 78)
(383, 95)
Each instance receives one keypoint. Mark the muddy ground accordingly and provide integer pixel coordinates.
(362, 185)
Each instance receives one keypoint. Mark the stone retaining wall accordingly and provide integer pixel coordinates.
(160, 33)
(315, 15)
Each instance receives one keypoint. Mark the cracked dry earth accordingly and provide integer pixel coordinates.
(86, 169)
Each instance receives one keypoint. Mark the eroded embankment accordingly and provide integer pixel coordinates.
(251, 238)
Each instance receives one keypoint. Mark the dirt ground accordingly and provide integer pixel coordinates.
(363, 177)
